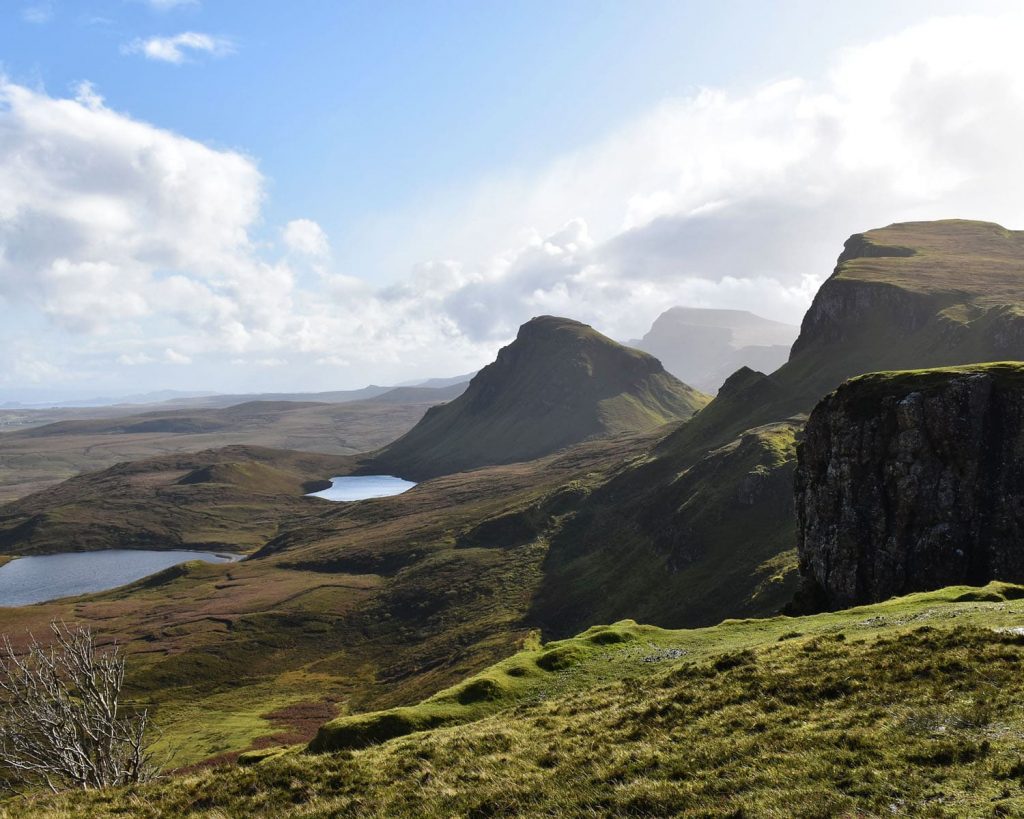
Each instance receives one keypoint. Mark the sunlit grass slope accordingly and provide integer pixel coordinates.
(907, 707)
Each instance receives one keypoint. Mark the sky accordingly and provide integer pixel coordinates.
(240, 196)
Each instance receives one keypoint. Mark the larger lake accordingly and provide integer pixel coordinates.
(38, 578)
(361, 487)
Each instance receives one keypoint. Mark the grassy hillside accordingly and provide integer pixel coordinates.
(909, 707)
(234, 498)
(907, 296)
(911, 295)
(382, 602)
(560, 382)
(350, 606)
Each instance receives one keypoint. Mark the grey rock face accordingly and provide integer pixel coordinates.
(912, 481)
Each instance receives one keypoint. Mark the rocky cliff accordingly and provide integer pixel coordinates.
(909, 481)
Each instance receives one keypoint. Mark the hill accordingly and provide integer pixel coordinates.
(903, 297)
(711, 501)
(703, 346)
(904, 707)
(379, 603)
(39, 456)
(560, 382)
(233, 498)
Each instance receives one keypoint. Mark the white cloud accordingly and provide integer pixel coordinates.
(743, 199)
(178, 48)
(306, 237)
(174, 357)
(125, 237)
(38, 13)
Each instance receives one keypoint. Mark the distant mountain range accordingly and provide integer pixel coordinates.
(703, 347)
(31, 400)
(34, 399)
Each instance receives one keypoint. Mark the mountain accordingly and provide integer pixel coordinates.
(440, 382)
(348, 609)
(907, 296)
(560, 382)
(923, 294)
(703, 346)
(909, 481)
(433, 389)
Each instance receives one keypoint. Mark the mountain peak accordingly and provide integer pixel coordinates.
(560, 382)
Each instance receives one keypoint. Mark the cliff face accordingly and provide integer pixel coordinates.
(910, 481)
(911, 295)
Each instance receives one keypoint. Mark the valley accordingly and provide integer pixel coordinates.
(49, 446)
(574, 483)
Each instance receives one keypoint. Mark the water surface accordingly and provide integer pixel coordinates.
(360, 487)
(37, 578)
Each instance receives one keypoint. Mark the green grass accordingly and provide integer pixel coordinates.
(910, 707)
(870, 388)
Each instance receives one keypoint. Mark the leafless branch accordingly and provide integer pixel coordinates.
(62, 724)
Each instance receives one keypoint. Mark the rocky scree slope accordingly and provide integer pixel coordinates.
(910, 481)
(559, 383)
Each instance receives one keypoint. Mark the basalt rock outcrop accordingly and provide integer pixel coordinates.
(910, 481)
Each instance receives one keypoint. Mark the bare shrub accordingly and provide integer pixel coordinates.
(62, 720)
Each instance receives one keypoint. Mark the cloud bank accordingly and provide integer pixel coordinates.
(126, 246)
(180, 47)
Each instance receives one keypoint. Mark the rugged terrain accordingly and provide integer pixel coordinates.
(559, 383)
(910, 481)
(380, 603)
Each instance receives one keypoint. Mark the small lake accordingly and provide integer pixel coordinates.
(37, 578)
(361, 487)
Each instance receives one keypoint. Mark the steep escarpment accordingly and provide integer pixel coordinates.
(560, 382)
(910, 481)
(910, 295)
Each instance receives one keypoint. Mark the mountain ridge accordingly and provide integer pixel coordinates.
(559, 383)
